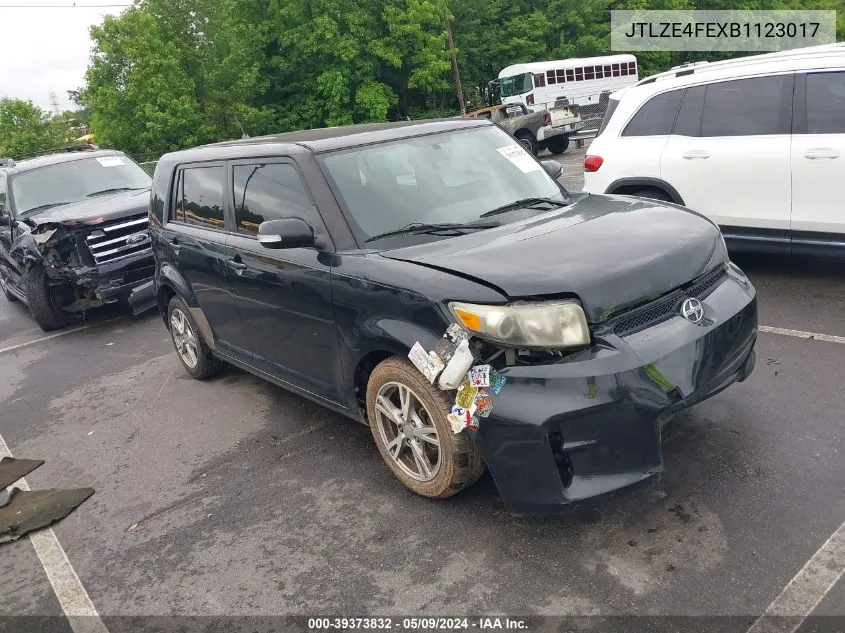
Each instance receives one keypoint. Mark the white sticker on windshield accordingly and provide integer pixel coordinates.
(519, 157)
(110, 161)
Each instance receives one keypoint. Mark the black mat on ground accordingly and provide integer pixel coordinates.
(28, 511)
(12, 469)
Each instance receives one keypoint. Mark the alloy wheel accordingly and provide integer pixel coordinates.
(407, 432)
(184, 338)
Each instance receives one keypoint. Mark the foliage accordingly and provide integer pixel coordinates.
(26, 129)
(168, 74)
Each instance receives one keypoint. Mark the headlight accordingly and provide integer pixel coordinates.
(550, 324)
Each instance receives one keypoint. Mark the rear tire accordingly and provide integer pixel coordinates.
(558, 144)
(195, 355)
(651, 193)
(527, 140)
(40, 299)
(410, 456)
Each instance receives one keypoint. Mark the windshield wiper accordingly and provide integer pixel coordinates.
(43, 207)
(114, 190)
(522, 204)
(422, 227)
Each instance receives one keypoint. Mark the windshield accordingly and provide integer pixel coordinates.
(516, 85)
(451, 177)
(76, 180)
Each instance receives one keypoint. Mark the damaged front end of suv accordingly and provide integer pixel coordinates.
(91, 263)
(74, 236)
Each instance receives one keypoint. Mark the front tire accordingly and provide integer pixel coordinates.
(194, 354)
(40, 296)
(4, 286)
(558, 144)
(527, 140)
(407, 417)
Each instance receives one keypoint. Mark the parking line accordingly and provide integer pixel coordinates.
(806, 590)
(799, 334)
(56, 335)
(74, 600)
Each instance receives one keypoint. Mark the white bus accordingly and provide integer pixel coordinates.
(582, 81)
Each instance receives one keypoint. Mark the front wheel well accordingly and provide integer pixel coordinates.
(640, 188)
(165, 294)
(365, 367)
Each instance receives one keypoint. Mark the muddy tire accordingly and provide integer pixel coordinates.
(407, 418)
(527, 140)
(558, 144)
(191, 349)
(39, 295)
(5, 288)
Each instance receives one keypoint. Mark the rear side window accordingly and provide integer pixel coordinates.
(200, 197)
(269, 191)
(692, 107)
(826, 103)
(656, 117)
(747, 107)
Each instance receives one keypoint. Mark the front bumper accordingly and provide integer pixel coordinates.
(592, 423)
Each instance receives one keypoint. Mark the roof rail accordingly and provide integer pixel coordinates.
(85, 147)
(691, 67)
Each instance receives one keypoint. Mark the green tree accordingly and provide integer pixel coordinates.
(26, 129)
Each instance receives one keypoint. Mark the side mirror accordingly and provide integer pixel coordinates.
(553, 168)
(286, 233)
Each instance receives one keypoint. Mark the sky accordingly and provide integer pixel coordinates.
(45, 48)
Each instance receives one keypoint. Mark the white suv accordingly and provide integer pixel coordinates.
(757, 144)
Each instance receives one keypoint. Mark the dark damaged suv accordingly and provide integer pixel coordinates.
(434, 281)
(73, 232)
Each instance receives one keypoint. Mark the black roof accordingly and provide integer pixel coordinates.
(55, 159)
(323, 139)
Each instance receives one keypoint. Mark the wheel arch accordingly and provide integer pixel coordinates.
(623, 185)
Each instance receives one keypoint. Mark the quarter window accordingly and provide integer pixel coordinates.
(656, 117)
(826, 103)
(268, 191)
(746, 107)
(201, 197)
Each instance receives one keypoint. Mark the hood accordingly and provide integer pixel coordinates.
(611, 251)
(95, 210)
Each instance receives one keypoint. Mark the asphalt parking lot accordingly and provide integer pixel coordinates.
(233, 497)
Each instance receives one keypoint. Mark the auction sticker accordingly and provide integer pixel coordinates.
(519, 157)
(110, 161)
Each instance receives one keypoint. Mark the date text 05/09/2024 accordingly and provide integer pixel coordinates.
(418, 624)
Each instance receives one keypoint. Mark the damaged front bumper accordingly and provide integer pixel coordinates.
(592, 423)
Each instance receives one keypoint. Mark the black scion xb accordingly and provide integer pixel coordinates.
(434, 281)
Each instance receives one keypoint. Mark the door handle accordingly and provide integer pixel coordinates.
(174, 242)
(237, 265)
(695, 153)
(821, 152)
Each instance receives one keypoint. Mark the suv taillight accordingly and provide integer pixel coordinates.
(547, 119)
(592, 163)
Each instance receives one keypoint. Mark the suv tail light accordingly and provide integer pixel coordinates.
(547, 119)
(592, 163)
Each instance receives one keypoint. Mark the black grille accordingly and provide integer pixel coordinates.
(665, 307)
(119, 239)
